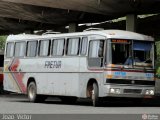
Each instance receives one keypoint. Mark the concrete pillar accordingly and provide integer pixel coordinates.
(131, 22)
(72, 27)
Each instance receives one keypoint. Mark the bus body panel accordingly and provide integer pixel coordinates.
(55, 80)
(69, 75)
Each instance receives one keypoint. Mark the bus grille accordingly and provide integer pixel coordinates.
(130, 82)
(132, 91)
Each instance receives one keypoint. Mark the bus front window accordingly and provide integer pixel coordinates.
(144, 52)
(120, 50)
(132, 53)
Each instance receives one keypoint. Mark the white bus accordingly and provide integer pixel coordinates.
(89, 64)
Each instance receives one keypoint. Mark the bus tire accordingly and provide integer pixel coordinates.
(95, 99)
(32, 92)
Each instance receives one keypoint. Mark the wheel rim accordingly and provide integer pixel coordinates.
(31, 92)
(93, 95)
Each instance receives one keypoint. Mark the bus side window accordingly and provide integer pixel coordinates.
(58, 47)
(96, 49)
(84, 45)
(20, 49)
(44, 47)
(10, 49)
(72, 46)
(31, 48)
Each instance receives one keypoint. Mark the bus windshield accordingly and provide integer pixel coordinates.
(132, 53)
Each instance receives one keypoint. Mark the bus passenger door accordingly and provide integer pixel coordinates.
(96, 62)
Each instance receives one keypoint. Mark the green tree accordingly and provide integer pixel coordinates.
(157, 62)
(2, 42)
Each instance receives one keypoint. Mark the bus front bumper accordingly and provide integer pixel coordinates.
(129, 91)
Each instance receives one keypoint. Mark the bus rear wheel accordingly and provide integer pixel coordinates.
(95, 99)
(32, 92)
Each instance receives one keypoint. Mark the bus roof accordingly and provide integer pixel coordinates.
(116, 34)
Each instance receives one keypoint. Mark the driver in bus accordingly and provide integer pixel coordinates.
(130, 60)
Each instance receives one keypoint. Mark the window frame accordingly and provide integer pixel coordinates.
(67, 46)
(27, 48)
(86, 47)
(52, 46)
(24, 49)
(13, 50)
(100, 58)
(98, 51)
(39, 46)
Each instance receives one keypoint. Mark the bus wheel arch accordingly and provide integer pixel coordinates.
(31, 79)
(90, 87)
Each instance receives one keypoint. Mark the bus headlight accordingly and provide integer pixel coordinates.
(112, 90)
(115, 90)
(149, 92)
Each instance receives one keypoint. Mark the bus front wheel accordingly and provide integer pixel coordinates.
(95, 99)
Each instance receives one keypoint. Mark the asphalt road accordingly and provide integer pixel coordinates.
(13, 106)
(18, 104)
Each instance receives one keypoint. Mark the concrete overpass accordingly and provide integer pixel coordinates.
(28, 15)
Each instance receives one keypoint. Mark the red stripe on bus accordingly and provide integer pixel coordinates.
(17, 76)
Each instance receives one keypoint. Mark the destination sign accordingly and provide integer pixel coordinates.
(120, 41)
